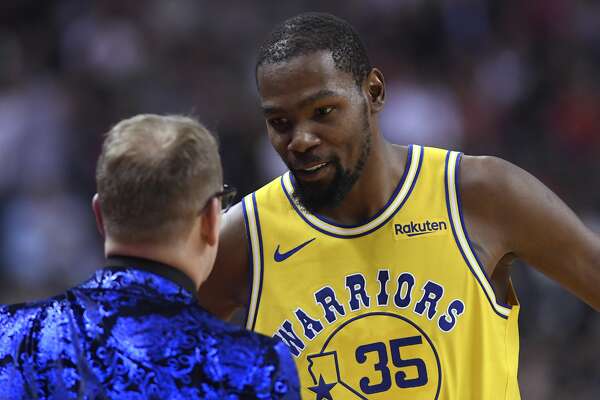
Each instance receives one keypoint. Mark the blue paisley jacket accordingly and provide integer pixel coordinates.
(133, 331)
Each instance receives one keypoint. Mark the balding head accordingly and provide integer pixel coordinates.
(154, 175)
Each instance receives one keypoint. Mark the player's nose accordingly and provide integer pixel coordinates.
(302, 141)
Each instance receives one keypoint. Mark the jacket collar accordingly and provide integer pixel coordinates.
(174, 275)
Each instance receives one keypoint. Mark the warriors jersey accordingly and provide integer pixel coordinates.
(398, 307)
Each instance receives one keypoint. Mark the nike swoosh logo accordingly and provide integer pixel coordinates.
(279, 257)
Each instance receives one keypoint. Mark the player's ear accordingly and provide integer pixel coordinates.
(375, 88)
(211, 218)
(98, 214)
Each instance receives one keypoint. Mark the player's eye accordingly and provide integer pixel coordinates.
(280, 124)
(323, 111)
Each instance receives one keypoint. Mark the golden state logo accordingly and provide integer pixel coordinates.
(404, 365)
(365, 342)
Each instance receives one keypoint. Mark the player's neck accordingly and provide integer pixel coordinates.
(372, 191)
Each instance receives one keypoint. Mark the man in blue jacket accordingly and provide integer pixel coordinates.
(134, 329)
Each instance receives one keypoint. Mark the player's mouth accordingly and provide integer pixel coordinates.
(312, 172)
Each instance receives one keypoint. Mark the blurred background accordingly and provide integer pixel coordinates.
(515, 79)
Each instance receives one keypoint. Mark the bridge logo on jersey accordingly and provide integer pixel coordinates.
(423, 228)
(403, 365)
(373, 349)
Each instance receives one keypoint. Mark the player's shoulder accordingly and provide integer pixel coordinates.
(265, 195)
(486, 175)
(492, 189)
(273, 184)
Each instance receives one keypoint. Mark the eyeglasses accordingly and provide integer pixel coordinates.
(227, 195)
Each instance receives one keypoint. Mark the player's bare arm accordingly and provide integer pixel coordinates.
(510, 214)
(226, 289)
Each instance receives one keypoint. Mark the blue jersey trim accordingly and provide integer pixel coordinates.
(457, 241)
(262, 260)
(388, 314)
(464, 228)
(250, 262)
(379, 212)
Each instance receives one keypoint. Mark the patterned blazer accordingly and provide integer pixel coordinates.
(133, 331)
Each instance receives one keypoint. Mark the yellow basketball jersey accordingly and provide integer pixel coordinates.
(396, 308)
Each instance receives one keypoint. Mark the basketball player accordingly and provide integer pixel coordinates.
(384, 268)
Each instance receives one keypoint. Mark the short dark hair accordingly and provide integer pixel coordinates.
(310, 32)
(154, 175)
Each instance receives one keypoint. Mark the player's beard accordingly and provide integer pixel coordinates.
(314, 197)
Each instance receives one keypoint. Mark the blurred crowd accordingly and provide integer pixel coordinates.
(515, 79)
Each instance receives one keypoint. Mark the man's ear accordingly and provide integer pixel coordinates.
(211, 218)
(98, 214)
(374, 87)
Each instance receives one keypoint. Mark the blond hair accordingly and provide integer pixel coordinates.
(154, 175)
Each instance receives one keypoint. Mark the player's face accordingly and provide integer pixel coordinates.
(317, 120)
